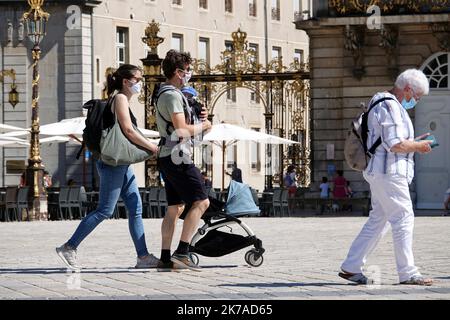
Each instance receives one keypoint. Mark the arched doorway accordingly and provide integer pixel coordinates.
(432, 115)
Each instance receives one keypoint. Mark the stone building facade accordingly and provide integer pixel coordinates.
(356, 52)
(87, 37)
(66, 80)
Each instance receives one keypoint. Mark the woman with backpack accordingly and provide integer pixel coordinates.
(119, 180)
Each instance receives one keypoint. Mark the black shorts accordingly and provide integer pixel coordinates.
(184, 183)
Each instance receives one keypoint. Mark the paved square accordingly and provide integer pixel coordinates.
(301, 261)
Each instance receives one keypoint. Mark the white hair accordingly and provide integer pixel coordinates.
(415, 79)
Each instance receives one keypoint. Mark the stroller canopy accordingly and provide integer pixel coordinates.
(240, 200)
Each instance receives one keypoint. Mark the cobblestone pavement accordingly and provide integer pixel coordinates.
(301, 262)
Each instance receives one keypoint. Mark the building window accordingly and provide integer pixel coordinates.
(203, 4)
(177, 42)
(229, 6)
(203, 49)
(176, 2)
(298, 15)
(299, 55)
(252, 8)
(255, 48)
(122, 46)
(255, 155)
(231, 93)
(437, 71)
(276, 52)
(276, 10)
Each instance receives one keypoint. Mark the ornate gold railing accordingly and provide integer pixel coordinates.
(359, 7)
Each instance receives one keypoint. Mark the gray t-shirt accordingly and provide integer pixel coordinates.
(169, 102)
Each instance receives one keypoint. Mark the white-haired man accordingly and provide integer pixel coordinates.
(389, 173)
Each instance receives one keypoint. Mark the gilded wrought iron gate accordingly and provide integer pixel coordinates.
(284, 92)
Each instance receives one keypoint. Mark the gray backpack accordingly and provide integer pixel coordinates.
(355, 150)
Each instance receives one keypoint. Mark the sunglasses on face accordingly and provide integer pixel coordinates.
(185, 71)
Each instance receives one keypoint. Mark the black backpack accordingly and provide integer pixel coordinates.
(92, 133)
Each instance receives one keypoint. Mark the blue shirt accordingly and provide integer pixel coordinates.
(390, 121)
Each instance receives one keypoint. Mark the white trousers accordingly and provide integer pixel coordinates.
(391, 204)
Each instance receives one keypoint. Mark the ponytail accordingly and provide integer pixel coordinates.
(114, 81)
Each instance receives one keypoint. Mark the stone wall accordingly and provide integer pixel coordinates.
(337, 94)
(65, 84)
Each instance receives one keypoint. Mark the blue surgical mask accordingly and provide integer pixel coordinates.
(409, 104)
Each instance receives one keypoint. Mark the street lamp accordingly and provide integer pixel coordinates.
(13, 94)
(36, 24)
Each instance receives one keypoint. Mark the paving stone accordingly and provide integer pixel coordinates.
(302, 259)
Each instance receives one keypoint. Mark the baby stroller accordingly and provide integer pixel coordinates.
(209, 241)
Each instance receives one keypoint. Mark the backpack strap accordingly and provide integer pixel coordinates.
(163, 140)
(365, 128)
(168, 123)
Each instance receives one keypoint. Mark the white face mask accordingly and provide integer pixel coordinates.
(186, 78)
(136, 87)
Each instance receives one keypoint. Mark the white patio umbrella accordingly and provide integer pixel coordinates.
(68, 127)
(225, 135)
(12, 142)
(8, 128)
(9, 141)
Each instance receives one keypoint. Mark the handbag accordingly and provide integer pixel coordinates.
(117, 150)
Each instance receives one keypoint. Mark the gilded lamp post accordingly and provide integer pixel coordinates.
(36, 21)
(152, 74)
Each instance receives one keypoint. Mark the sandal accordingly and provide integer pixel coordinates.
(358, 278)
(418, 281)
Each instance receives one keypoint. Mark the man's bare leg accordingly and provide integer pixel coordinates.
(192, 219)
(168, 225)
(181, 256)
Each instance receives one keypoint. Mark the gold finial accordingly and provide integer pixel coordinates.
(239, 40)
(151, 38)
(36, 10)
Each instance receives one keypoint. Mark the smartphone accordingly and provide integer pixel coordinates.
(433, 139)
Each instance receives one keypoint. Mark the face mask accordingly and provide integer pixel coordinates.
(186, 78)
(136, 87)
(410, 104)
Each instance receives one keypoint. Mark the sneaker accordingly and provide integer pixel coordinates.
(68, 256)
(168, 266)
(185, 260)
(149, 262)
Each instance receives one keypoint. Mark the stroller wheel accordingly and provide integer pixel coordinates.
(194, 257)
(253, 258)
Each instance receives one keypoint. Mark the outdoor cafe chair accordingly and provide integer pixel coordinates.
(276, 201)
(78, 200)
(11, 202)
(63, 204)
(284, 203)
(22, 202)
(153, 201)
(145, 205)
(162, 202)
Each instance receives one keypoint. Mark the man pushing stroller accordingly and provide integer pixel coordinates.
(183, 181)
